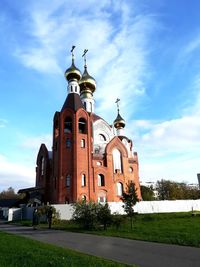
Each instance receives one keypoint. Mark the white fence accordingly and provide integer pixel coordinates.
(65, 211)
(167, 206)
(14, 214)
(143, 207)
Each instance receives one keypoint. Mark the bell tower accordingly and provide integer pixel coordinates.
(71, 144)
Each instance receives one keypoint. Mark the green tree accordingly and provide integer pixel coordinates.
(8, 194)
(171, 190)
(104, 215)
(85, 214)
(147, 193)
(130, 198)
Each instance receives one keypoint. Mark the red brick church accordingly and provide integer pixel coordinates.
(90, 159)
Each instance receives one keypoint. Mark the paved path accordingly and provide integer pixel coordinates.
(144, 254)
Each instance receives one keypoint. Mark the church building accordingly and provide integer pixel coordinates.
(90, 159)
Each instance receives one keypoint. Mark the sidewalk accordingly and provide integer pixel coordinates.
(144, 254)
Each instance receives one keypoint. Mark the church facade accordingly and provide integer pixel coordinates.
(90, 159)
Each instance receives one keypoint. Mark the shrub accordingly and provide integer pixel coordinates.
(85, 214)
(91, 215)
(117, 220)
(104, 215)
(43, 210)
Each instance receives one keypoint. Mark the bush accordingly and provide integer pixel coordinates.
(117, 220)
(43, 210)
(104, 215)
(85, 214)
(92, 215)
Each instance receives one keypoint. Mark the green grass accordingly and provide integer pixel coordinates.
(170, 228)
(19, 251)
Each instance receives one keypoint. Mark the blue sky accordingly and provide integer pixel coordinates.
(147, 53)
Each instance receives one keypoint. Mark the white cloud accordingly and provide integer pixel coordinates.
(118, 44)
(176, 169)
(20, 172)
(193, 45)
(39, 60)
(15, 175)
(34, 142)
(168, 149)
(177, 133)
(3, 123)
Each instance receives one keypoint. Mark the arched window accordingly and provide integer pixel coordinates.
(82, 125)
(42, 165)
(102, 199)
(117, 163)
(83, 180)
(68, 180)
(130, 169)
(82, 143)
(83, 198)
(91, 109)
(55, 182)
(56, 129)
(101, 180)
(68, 125)
(119, 189)
(68, 142)
(102, 138)
(56, 146)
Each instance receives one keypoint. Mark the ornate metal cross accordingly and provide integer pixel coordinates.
(117, 102)
(84, 55)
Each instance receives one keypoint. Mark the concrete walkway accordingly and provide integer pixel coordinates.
(144, 254)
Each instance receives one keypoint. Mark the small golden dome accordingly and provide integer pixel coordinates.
(119, 122)
(87, 82)
(73, 73)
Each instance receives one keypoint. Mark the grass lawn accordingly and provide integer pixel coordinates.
(171, 228)
(19, 251)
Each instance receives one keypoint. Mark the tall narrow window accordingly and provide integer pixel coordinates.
(68, 178)
(68, 125)
(83, 198)
(83, 180)
(68, 142)
(119, 189)
(56, 146)
(55, 182)
(117, 163)
(56, 129)
(101, 199)
(101, 180)
(82, 142)
(82, 125)
(42, 166)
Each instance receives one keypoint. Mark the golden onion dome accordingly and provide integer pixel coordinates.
(119, 122)
(73, 73)
(87, 82)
